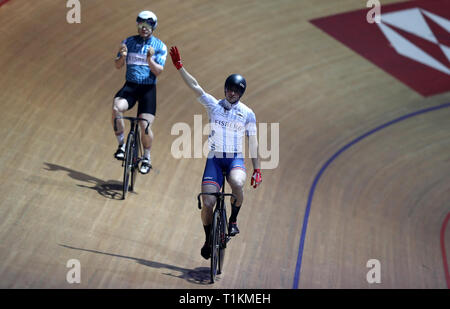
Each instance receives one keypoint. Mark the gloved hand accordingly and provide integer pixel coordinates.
(176, 59)
(150, 52)
(256, 178)
(123, 50)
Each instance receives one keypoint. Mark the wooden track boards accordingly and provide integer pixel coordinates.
(384, 198)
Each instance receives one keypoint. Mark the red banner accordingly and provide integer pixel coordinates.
(411, 42)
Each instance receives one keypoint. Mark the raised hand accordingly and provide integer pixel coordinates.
(123, 50)
(176, 59)
(150, 52)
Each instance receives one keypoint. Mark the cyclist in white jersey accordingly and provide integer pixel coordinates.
(144, 56)
(230, 120)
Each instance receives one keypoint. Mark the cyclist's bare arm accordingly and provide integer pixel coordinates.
(191, 82)
(254, 153)
(120, 61)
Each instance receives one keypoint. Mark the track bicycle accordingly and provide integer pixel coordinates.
(133, 153)
(219, 230)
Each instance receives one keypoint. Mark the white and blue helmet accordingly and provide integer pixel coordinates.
(148, 17)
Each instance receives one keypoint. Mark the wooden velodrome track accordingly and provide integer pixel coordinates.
(384, 198)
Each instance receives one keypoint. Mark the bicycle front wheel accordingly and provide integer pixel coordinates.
(137, 153)
(215, 244)
(127, 165)
(222, 239)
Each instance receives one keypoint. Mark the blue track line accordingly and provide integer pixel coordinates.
(324, 167)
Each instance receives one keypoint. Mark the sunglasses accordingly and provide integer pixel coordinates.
(150, 21)
(146, 25)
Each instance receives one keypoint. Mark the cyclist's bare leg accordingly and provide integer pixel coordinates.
(147, 139)
(209, 202)
(120, 105)
(206, 216)
(236, 179)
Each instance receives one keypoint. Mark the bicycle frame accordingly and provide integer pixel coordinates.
(134, 122)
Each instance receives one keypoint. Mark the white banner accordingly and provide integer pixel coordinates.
(137, 59)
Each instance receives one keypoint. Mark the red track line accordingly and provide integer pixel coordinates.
(444, 253)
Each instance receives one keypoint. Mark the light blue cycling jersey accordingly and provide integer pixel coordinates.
(228, 124)
(138, 70)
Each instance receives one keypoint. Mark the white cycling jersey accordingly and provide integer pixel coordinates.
(228, 123)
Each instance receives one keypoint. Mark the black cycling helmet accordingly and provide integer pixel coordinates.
(236, 83)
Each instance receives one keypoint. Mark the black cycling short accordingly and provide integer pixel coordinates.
(144, 94)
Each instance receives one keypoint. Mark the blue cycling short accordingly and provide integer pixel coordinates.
(218, 162)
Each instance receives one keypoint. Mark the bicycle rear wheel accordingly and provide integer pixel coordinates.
(215, 244)
(127, 165)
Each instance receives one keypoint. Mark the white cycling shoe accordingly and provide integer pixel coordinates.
(145, 166)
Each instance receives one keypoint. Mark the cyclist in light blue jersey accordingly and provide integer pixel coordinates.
(230, 120)
(145, 57)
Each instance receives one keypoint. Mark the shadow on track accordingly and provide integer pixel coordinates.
(199, 275)
(111, 189)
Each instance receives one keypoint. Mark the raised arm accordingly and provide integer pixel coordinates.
(188, 79)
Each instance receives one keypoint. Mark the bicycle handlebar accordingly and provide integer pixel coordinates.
(132, 120)
(216, 194)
